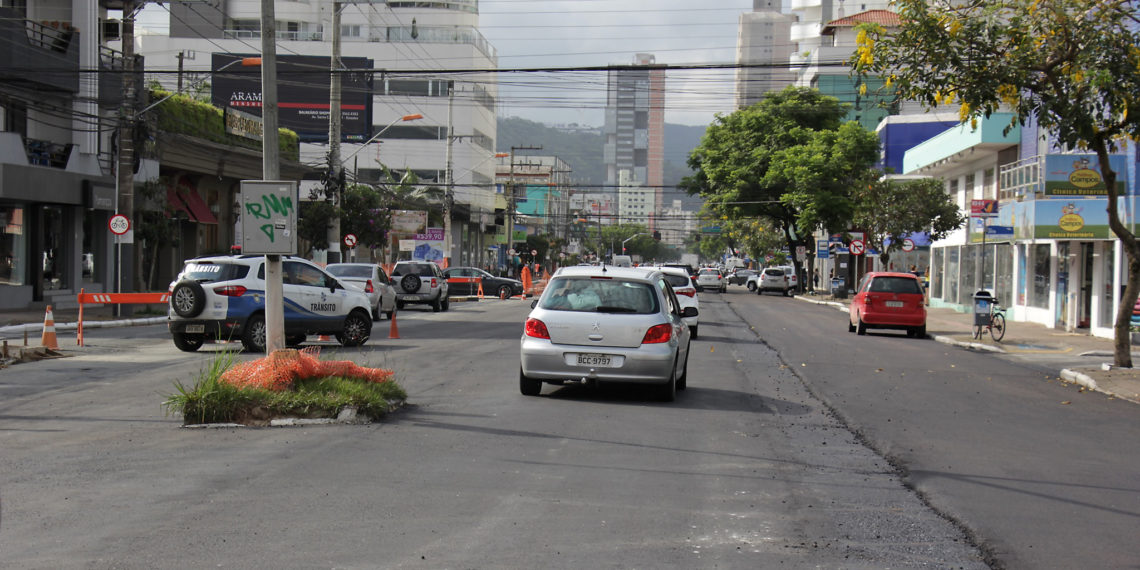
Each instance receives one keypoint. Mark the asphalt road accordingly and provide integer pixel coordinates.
(747, 469)
(1042, 473)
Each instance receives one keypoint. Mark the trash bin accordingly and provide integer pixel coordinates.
(983, 308)
(838, 289)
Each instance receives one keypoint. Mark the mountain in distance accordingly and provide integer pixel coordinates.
(581, 148)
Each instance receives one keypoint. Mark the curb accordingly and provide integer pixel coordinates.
(1082, 379)
(38, 327)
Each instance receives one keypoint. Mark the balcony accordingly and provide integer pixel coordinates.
(111, 78)
(40, 56)
(390, 34)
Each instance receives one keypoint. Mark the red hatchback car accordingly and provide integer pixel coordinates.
(889, 301)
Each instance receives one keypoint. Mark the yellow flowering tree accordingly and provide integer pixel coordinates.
(1073, 66)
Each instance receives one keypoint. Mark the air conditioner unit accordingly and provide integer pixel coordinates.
(111, 29)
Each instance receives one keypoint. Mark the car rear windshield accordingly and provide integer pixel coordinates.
(202, 271)
(709, 272)
(364, 271)
(600, 296)
(774, 272)
(678, 280)
(904, 285)
(421, 269)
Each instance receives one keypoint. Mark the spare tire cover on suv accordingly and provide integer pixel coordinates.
(410, 283)
(188, 299)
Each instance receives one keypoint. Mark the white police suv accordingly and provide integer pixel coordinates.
(223, 297)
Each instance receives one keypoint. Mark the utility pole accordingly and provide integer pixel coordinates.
(271, 170)
(449, 183)
(125, 171)
(335, 174)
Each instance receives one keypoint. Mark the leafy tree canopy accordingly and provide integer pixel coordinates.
(1071, 65)
(894, 209)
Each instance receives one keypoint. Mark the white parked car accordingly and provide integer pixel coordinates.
(222, 297)
(371, 279)
(686, 293)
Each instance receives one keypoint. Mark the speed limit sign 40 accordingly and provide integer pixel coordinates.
(119, 224)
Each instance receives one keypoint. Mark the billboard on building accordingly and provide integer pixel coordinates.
(1075, 175)
(302, 93)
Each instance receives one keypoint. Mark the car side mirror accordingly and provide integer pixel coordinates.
(689, 312)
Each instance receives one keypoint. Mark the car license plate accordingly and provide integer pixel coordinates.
(594, 360)
(411, 298)
(192, 329)
(895, 304)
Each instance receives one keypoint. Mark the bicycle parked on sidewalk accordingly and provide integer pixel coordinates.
(996, 324)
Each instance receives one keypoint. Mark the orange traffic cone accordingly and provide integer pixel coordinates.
(393, 332)
(48, 338)
(480, 287)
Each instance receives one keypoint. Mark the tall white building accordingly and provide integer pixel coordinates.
(401, 43)
(814, 51)
(763, 39)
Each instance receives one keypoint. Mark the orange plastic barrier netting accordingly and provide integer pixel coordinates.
(282, 368)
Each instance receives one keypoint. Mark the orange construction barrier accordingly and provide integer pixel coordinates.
(281, 368)
(48, 339)
(393, 332)
(114, 298)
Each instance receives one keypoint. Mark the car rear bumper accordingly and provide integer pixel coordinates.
(647, 364)
(893, 320)
(212, 329)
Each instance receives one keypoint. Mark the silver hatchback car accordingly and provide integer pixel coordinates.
(606, 324)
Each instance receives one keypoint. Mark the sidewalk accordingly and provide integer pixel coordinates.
(954, 328)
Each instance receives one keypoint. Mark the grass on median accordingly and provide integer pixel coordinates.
(210, 400)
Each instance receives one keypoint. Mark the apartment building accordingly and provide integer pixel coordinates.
(635, 126)
(60, 95)
(763, 49)
(411, 108)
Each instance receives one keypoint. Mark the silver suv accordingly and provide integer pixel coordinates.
(223, 297)
(420, 282)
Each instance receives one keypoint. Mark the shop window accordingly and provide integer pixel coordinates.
(1003, 288)
(54, 254)
(1108, 273)
(92, 219)
(951, 290)
(936, 278)
(1040, 288)
(13, 246)
(968, 274)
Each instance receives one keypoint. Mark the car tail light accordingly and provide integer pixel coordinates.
(658, 333)
(433, 283)
(368, 287)
(685, 292)
(230, 290)
(537, 329)
(719, 277)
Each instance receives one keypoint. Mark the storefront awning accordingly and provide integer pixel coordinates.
(192, 204)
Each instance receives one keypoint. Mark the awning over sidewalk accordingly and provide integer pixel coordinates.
(192, 204)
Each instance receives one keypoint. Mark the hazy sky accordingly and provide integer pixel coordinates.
(576, 33)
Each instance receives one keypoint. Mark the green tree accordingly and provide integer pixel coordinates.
(313, 220)
(1073, 66)
(365, 216)
(788, 159)
(894, 208)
